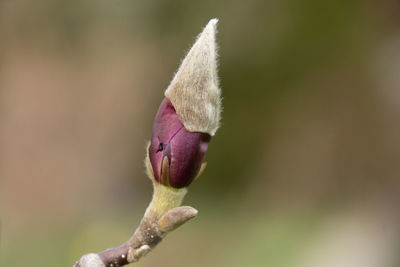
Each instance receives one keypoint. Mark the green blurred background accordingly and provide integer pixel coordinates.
(304, 171)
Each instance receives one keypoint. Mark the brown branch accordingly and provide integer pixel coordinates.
(150, 232)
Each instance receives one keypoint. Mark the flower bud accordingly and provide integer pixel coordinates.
(176, 155)
(188, 116)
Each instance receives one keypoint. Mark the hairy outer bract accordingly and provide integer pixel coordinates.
(194, 90)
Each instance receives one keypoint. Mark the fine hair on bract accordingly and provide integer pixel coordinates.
(194, 90)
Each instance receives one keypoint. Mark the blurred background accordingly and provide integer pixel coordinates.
(304, 171)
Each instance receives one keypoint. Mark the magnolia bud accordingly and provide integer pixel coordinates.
(188, 116)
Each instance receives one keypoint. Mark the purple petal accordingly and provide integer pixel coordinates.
(185, 150)
(187, 154)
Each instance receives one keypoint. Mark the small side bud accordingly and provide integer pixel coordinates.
(175, 218)
(90, 260)
(135, 254)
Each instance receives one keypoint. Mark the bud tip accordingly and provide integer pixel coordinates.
(194, 90)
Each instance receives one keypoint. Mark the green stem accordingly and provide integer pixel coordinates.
(164, 199)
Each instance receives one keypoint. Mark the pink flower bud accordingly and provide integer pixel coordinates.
(176, 155)
(188, 116)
